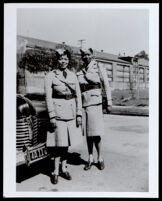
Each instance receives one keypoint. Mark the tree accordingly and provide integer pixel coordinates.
(39, 59)
(142, 54)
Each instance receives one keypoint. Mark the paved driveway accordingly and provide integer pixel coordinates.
(125, 151)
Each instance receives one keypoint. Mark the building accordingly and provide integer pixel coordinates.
(123, 72)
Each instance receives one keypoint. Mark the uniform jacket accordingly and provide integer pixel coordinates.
(96, 74)
(62, 109)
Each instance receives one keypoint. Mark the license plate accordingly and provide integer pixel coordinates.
(36, 153)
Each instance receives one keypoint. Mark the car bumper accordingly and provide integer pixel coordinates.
(31, 155)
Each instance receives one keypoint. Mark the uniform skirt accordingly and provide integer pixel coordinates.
(93, 122)
(67, 134)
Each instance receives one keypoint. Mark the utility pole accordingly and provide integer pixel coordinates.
(81, 42)
(138, 79)
(137, 76)
(27, 31)
(63, 44)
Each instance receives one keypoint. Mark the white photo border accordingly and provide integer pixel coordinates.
(9, 139)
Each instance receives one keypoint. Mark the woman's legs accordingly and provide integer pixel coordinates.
(56, 163)
(97, 141)
(55, 160)
(65, 173)
(64, 158)
(59, 153)
(90, 148)
(90, 151)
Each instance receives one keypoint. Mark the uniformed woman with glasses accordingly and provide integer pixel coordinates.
(63, 98)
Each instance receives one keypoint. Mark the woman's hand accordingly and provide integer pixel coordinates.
(78, 121)
(53, 123)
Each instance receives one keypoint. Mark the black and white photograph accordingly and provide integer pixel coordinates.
(81, 100)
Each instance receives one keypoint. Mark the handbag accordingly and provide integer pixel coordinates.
(50, 141)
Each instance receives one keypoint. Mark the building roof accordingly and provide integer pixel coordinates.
(126, 58)
(32, 42)
(102, 55)
(111, 57)
(141, 61)
(52, 45)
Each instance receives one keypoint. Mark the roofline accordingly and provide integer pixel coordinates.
(37, 39)
(111, 60)
(99, 59)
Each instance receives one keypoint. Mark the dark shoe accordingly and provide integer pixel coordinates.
(88, 165)
(66, 175)
(54, 179)
(101, 165)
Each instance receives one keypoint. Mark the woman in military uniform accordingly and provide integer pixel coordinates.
(92, 79)
(64, 105)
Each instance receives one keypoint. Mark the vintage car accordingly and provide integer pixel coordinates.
(31, 125)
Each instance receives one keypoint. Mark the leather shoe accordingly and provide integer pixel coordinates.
(54, 179)
(66, 175)
(101, 165)
(88, 165)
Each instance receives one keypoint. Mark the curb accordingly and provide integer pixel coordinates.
(126, 110)
(118, 110)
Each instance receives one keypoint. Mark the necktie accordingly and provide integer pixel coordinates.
(64, 74)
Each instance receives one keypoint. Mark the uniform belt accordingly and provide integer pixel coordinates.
(86, 87)
(64, 96)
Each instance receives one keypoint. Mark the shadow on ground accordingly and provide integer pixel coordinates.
(44, 167)
(75, 159)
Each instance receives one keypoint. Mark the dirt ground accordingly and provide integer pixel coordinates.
(125, 152)
(131, 97)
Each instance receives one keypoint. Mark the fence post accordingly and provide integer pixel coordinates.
(114, 74)
(131, 78)
(145, 77)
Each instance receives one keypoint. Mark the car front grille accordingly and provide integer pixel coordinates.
(27, 132)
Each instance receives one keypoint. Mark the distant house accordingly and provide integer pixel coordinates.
(121, 71)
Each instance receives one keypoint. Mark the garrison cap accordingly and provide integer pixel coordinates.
(86, 51)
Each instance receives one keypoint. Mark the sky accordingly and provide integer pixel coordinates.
(111, 30)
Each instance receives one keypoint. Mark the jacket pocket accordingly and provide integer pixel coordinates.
(97, 95)
(91, 97)
(64, 110)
